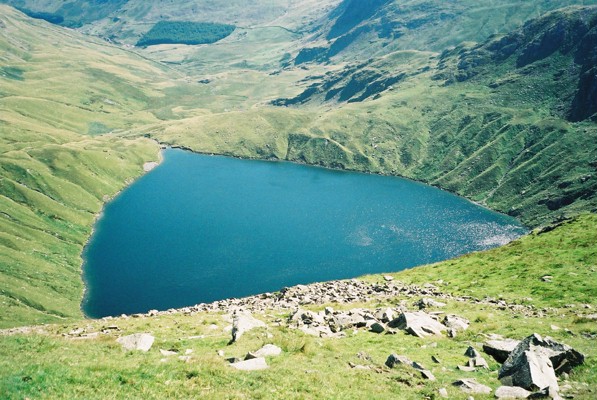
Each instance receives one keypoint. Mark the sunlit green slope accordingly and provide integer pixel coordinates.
(59, 91)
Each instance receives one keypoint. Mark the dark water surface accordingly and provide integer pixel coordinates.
(202, 228)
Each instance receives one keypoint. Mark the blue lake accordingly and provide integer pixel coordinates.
(202, 228)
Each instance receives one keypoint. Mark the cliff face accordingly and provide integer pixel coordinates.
(567, 39)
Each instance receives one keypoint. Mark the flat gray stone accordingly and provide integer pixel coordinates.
(419, 324)
(456, 323)
(254, 364)
(472, 386)
(269, 350)
(511, 392)
(395, 359)
(137, 341)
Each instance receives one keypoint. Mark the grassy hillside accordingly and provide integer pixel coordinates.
(61, 95)
(83, 360)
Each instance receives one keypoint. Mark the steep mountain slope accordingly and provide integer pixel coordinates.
(364, 29)
(486, 121)
(59, 91)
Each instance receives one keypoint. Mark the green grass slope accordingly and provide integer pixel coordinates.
(83, 360)
(60, 95)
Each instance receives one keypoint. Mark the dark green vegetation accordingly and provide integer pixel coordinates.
(180, 32)
(65, 367)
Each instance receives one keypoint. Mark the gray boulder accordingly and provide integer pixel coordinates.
(243, 322)
(395, 359)
(269, 350)
(427, 302)
(377, 327)
(534, 363)
(419, 324)
(385, 315)
(478, 362)
(253, 364)
(137, 341)
(455, 322)
(471, 386)
(500, 349)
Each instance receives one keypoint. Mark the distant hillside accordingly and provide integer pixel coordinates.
(364, 29)
(473, 119)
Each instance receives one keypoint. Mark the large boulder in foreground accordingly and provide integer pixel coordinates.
(534, 363)
(500, 349)
(419, 324)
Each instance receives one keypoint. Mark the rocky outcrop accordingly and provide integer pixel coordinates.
(394, 359)
(253, 364)
(419, 324)
(534, 363)
(500, 349)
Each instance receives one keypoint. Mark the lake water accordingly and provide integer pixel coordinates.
(202, 228)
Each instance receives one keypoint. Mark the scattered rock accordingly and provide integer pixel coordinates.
(395, 359)
(419, 324)
(547, 278)
(500, 349)
(435, 360)
(137, 341)
(511, 392)
(471, 352)
(385, 315)
(443, 392)
(466, 368)
(167, 353)
(377, 327)
(427, 374)
(478, 362)
(269, 350)
(388, 278)
(243, 322)
(254, 364)
(456, 323)
(427, 302)
(472, 386)
(528, 370)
